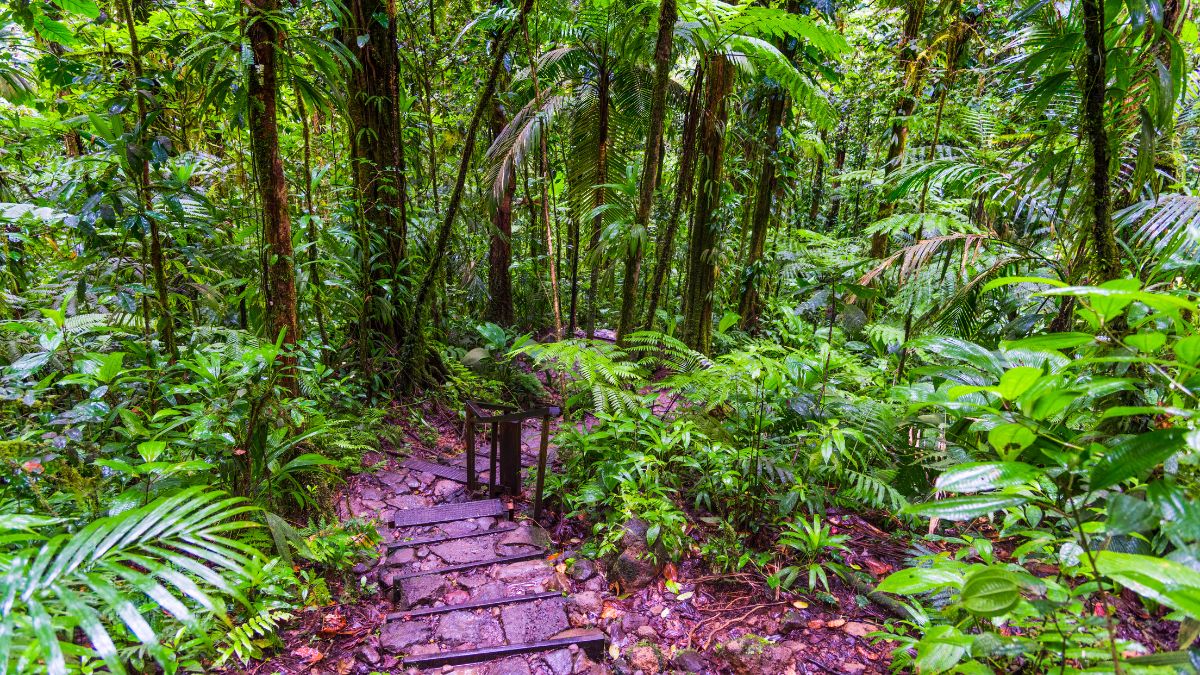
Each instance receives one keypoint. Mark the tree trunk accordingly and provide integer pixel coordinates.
(750, 305)
(377, 151)
(500, 302)
(697, 321)
(905, 105)
(683, 191)
(814, 207)
(166, 319)
(268, 168)
(650, 167)
(1105, 254)
(839, 163)
(602, 102)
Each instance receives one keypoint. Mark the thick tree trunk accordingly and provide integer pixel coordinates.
(750, 305)
(263, 92)
(702, 250)
(912, 68)
(683, 191)
(377, 152)
(602, 102)
(1105, 254)
(650, 167)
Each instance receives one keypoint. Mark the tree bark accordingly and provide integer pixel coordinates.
(839, 163)
(650, 167)
(1105, 254)
(377, 152)
(683, 191)
(697, 322)
(263, 92)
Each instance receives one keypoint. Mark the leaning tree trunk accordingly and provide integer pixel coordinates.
(911, 66)
(650, 167)
(750, 305)
(1105, 254)
(263, 91)
(377, 152)
(698, 300)
(683, 191)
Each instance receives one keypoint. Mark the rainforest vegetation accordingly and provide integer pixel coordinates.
(934, 263)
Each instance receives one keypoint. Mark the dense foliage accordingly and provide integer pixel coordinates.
(935, 262)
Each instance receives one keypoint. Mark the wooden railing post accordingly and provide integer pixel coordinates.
(472, 483)
(541, 469)
(492, 460)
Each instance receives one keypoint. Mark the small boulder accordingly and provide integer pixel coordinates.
(632, 571)
(644, 659)
(689, 661)
(397, 636)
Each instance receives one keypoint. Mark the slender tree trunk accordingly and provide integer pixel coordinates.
(912, 69)
(263, 92)
(650, 167)
(544, 157)
(500, 302)
(814, 207)
(750, 305)
(1106, 256)
(166, 319)
(314, 272)
(839, 163)
(602, 96)
(702, 250)
(683, 191)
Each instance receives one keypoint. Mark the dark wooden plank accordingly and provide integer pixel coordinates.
(499, 560)
(474, 604)
(438, 539)
(444, 513)
(591, 642)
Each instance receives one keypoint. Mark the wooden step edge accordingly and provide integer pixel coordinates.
(445, 513)
(475, 604)
(437, 539)
(592, 643)
(499, 560)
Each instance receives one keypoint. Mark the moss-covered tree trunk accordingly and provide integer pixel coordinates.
(263, 91)
(1105, 255)
(750, 305)
(698, 301)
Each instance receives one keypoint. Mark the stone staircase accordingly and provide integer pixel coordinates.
(478, 589)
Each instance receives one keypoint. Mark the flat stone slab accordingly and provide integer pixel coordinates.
(444, 513)
(530, 622)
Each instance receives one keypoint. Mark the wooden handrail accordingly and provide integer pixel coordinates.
(476, 415)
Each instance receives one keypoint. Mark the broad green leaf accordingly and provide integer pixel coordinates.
(1187, 350)
(990, 592)
(1017, 381)
(1147, 343)
(965, 508)
(54, 31)
(978, 476)
(1052, 341)
(1010, 439)
(941, 649)
(1164, 581)
(1135, 456)
(915, 580)
(81, 7)
(1128, 514)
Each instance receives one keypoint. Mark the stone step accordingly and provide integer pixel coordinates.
(474, 604)
(444, 513)
(457, 474)
(442, 538)
(591, 641)
(499, 560)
